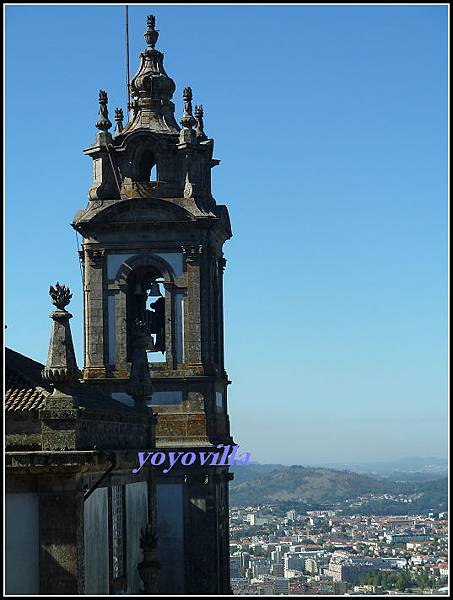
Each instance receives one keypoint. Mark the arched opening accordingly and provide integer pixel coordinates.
(147, 167)
(146, 302)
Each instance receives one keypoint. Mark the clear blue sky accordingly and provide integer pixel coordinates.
(330, 122)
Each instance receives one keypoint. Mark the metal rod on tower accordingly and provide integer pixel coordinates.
(127, 60)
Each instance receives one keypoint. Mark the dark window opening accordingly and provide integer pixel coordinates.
(147, 167)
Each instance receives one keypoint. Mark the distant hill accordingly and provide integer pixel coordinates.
(413, 466)
(304, 484)
(314, 486)
(252, 471)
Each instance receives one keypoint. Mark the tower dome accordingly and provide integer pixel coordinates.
(151, 89)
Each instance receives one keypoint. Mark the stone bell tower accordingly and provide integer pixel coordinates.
(153, 277)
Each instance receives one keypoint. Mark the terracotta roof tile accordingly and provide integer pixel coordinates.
(24, 388)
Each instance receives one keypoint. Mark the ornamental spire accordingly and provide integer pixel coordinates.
(199, 126)
(61, 367)
(103, 123)
(187, 135)
(187, 120)
(151, 90)
(119, 116)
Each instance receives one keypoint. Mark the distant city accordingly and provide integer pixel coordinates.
(343, 545)
(323, 552)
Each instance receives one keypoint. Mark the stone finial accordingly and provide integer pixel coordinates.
(151, 34)
(199, 126)
(187, 134)
(103, 123)
(119, 117)
(187, 120)
(61, 367)
(187, 94)
(61, 295)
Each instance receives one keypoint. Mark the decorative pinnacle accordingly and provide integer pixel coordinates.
(199, 127)
(119, 116)
(187, 94)
(187, 120)
(103, 122)
(61, 295)
(151, 34)
(61, 367)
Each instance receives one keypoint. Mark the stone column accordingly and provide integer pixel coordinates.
(179, 324)
(121, 362)
(207, 308)
(169, 324)
(95, 361)
(193, 309)
(221, 267)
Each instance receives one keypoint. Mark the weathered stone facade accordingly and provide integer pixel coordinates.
(152, 229)
(67, 448)
(153, 373)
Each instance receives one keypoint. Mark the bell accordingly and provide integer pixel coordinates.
(154, 290)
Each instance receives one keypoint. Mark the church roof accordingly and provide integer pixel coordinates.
(24, 387)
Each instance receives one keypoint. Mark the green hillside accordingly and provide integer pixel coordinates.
(316, 486)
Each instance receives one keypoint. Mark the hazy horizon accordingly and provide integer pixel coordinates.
(371, 461)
